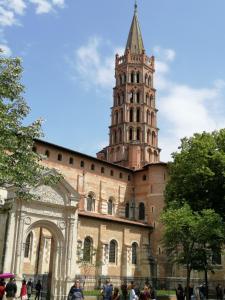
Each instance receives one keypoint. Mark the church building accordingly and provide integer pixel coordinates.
(102, 219)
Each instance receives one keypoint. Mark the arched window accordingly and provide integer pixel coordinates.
(82, 163)
(47, 153)
(148, 136)
(28, 245)
(92, 167)
(71, 160)
(87, 255)
(138, 115)
(122, 98)
(131, 115)
(102, 170)
(90, 202)
(116, 117)
(121, 80)
(127, 210)
(118, 100)
(131, 134)
(110, 206)
(149, 81)
(141, 211)
(146, 79)
(148, 117)
(144, 177)
(132, 77)
(153, 138)
(131, 97)
(121, 116)
(151, 101)
(124, 78)
(34, 149)
(138, 134)
(134, 253)
(138, 97)
(138, 77)
(59, 157)
(120, 135)
(152, 119)
(112, 251)
(147, 98)
(115, 137)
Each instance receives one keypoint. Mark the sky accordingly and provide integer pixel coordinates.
(68, 49)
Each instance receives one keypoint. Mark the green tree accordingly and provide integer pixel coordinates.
(19, 164)
(191, 237)
(197, 174)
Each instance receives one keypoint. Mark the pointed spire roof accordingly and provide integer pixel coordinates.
(135, 41)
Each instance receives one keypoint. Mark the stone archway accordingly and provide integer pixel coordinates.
(56, 209)
(57, 257)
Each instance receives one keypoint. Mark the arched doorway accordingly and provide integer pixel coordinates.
(44, 258)
(39, 249)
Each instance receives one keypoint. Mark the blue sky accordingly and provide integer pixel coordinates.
(68, 49)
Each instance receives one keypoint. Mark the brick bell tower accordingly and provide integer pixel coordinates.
(133, 133)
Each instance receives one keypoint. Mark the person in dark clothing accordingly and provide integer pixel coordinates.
(38, 288)
(152, 292)
(191, 292)
(76, 293)
(202, 291)
(124, 291)
(180, 292)
(219, 292)
(11, 289)
(29, 288)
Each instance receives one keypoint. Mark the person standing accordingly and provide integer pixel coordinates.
(107, 290)
(219, 292)
(180, 292)
(124, 291)
(116, 294)
(76, 292)
(38, 288)
(132, 295)
(145, 294)
(23, 291)
(29, 288)
(11, 289)
(2, 289)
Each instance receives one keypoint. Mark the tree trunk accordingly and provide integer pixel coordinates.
(188, 283)
(206, 284)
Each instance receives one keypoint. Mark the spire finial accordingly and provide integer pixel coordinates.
(135, 6)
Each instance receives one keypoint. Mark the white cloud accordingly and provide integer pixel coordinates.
(12, 10)
(92, 67)
(42, 6)
(18, 6)
(7, 17)
(184, 109)
(6, 50)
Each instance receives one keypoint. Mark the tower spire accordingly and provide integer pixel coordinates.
(135, 42)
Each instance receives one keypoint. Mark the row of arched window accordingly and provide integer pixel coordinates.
(134, 134)
(90, 204)
(113, 251)
(130, 211)
(134, 116)
(133, 97)
(133, 77)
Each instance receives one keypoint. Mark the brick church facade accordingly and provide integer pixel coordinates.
(102, 219)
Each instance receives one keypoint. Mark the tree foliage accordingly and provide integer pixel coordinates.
(197, 175)
(19, 164)
(190, 238)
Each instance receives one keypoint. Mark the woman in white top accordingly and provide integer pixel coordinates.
(133, 295)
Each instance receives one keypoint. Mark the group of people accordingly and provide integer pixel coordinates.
(198, 293)
(10, 289)
(108, 292)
